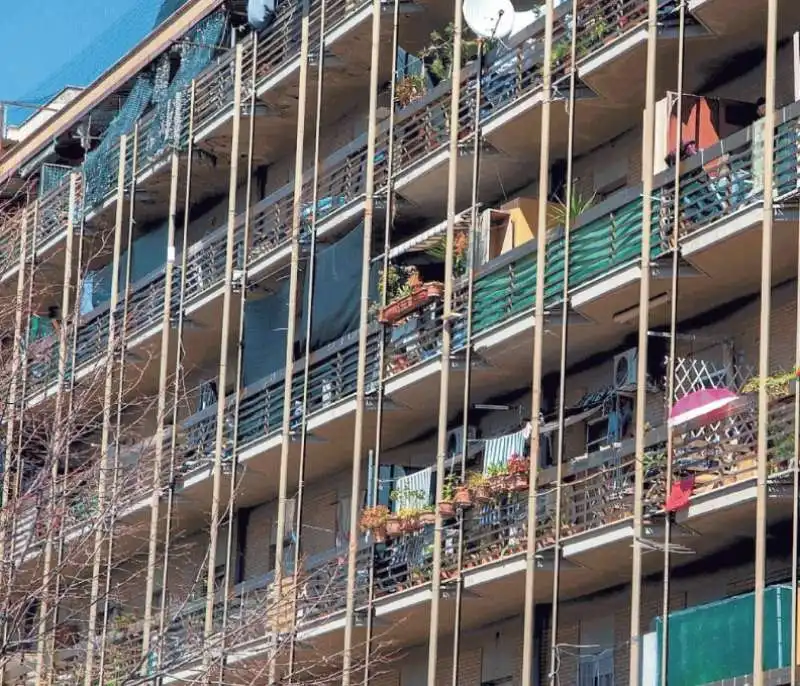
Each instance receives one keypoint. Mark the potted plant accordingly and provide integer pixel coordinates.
(577, 206)
(479, 485)
(409, 89)
(447, 507)
(498, 479)
(427, 515)
(460, 252)
(438, 55)
(409, 520)
(406, 293)
(393, 526)
(561, 55)
(373, 521)
(518, 470)
(462, 496)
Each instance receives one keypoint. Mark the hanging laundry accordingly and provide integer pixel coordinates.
(496, 451)
(414, 490)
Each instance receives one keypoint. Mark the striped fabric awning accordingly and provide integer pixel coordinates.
(496, 451)
(408, 487)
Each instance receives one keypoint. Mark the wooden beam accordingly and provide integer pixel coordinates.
(131, 64)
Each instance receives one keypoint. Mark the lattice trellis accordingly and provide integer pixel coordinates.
(693, 373)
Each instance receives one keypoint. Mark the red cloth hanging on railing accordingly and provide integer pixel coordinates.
(678, 498)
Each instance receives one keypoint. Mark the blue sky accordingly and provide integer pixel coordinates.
(47, 44)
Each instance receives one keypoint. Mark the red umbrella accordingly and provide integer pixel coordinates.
(708, 404)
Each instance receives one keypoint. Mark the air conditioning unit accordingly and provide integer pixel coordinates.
(455, 443)
(625, 370)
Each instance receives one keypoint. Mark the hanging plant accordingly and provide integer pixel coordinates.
(438, 56)
(373, 521)
(409, 89)
(518, 471)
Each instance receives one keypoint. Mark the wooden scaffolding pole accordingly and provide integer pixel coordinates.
(107, 391)
(7, 513)
(161, 409)
(358, 431)
(538, 345)
(222, 380)
(764, 340)
(291, 330)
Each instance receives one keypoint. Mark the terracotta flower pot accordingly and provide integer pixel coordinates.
(447, 510)
(463, 497)
(519, 482)
(410, 525)
(427, 518)
(393, 527)
(379, 534)
(483, 494)
(498, 484)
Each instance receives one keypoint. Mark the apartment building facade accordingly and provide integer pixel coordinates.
(328, 356)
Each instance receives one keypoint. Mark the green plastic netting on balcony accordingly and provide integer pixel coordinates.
(715, 641)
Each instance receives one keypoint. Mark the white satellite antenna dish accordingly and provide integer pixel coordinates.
(489, 18)
(523, 20)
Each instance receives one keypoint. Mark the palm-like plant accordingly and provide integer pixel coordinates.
(577, 206)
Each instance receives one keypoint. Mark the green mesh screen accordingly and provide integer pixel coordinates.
(102, 163)
(715, 641)
(52, 177)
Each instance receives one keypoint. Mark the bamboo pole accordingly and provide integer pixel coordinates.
(161, 408)
(673, 344)
(764, 341)
(43, 656)
(358, 431)
(796, 428)
(648, 141)
(562, 383)
(239, 387)
(448, 320)
(291, 326)
(104, 440)
(382, 337)
(312, 262)
(223, 358)
(7, 513)
(123, 337)
(176, 386)
(465, 402)
(60, 442)
(538, 345)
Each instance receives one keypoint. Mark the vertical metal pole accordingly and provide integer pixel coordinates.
(764, 342)
(562, 384)
(6, 510)
(358, 431)
(161, 409)
(465, 401)
(673, 342)
(447, 324)
(382, 337)
(291, 326)
(311, 266)
(538, 345)
(176, 386)
(56, 451)
(222, 379)
(104, 440)
(648, 141)
(796, 64)
(230, 566)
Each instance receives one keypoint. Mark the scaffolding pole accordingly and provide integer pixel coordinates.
(538, 345)
(7, 514)
(764, 340)
(358, 431)
(108, 388)
(673, 344)
(562, 383)
(309, 314)
(648, 141)
(291, 327)
(176, 387)
(239, 385)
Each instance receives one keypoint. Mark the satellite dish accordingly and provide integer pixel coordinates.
(523, 20)
(489, 18)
